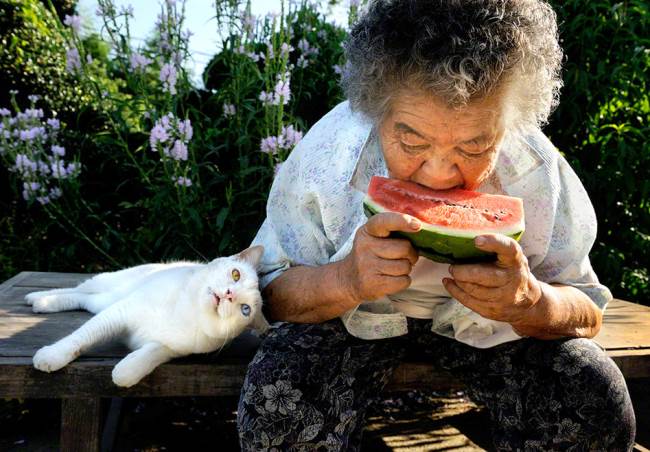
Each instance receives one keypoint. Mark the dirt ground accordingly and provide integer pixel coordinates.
(410, 421)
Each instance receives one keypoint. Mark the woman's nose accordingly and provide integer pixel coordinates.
(439, 173)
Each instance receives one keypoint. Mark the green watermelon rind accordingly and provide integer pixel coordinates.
(442, 246)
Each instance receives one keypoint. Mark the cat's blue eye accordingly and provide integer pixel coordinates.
(246, 310)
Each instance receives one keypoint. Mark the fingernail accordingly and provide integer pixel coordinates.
(479, 241)
(446, 280)
(414, 223)
(451, 269)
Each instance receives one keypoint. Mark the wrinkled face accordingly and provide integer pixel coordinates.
(429, 143)
(231, 298)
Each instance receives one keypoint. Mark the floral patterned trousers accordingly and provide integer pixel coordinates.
(309, 385)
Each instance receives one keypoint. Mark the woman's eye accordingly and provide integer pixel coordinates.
(413, 148)
(246, 310)
(473, 154)
(235, 274)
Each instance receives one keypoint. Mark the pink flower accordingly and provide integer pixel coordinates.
(269, 145)
(291, 136)
(58, 150)
(139, 62)
(282, 92)
(229, 110)
(59, 170)
(24, 165)
(302, 62)
(178, 151)
(306, 49)
(182, 181)
(285, 50)
(73, 61)
(73, 22)
(158, 135)
(127, 10)
(169, 76)
(43, 200)
(55, 193)
(185, 130)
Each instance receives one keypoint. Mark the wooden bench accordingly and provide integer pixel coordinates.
(82, 384)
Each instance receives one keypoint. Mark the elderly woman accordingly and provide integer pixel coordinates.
(445, 93)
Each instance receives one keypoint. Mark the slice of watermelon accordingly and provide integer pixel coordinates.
(451, 218)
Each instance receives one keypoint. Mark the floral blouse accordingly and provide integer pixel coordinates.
(315, 207)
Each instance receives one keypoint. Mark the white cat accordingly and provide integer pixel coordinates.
(161, 311)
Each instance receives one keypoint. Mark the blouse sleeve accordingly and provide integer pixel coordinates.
(292, 233)
(574, 232)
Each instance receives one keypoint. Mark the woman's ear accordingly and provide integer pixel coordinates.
(252, 255)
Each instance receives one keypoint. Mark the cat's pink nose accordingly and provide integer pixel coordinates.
(229, 295)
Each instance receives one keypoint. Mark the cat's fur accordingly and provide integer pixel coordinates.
(161, 311)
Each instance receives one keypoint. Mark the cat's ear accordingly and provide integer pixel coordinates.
(259, 323)
(252, 255)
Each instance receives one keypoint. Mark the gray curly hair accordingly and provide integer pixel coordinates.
(457, 50)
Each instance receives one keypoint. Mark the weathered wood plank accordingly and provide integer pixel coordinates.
(52, 279)
(88, 378)
(625, 334)
(626, 326)
(633, 363)
(83, 378)
(13, 281)
(80, 424)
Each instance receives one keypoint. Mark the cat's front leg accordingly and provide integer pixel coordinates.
(101, 328)
(32, 297)
(56, 356)
(140, 363)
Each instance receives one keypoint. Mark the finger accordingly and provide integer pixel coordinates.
(396, 249)
(473, 303)
(394, 267)
(489, 294)
(488, 275)
(382, 224)
(508, 251)
(394, 284)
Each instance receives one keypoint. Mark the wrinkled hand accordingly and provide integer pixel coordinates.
(504, 290)
(379, 265)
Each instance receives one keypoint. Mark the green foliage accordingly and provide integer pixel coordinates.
(33, 57)
(603, 127)
(126, 206)
(62, 7)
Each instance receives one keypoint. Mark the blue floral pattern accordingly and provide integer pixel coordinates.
(315, 208)
(309, 386)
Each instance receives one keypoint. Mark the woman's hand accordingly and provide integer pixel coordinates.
(505, 290)
(379, 265)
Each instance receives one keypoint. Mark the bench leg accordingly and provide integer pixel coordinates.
(80, 425)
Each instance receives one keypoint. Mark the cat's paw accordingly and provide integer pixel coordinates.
(31, 297)
(52, 358)
(125, 375)
(45, 304)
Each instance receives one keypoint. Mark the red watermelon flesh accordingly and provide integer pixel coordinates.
(451, 218)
